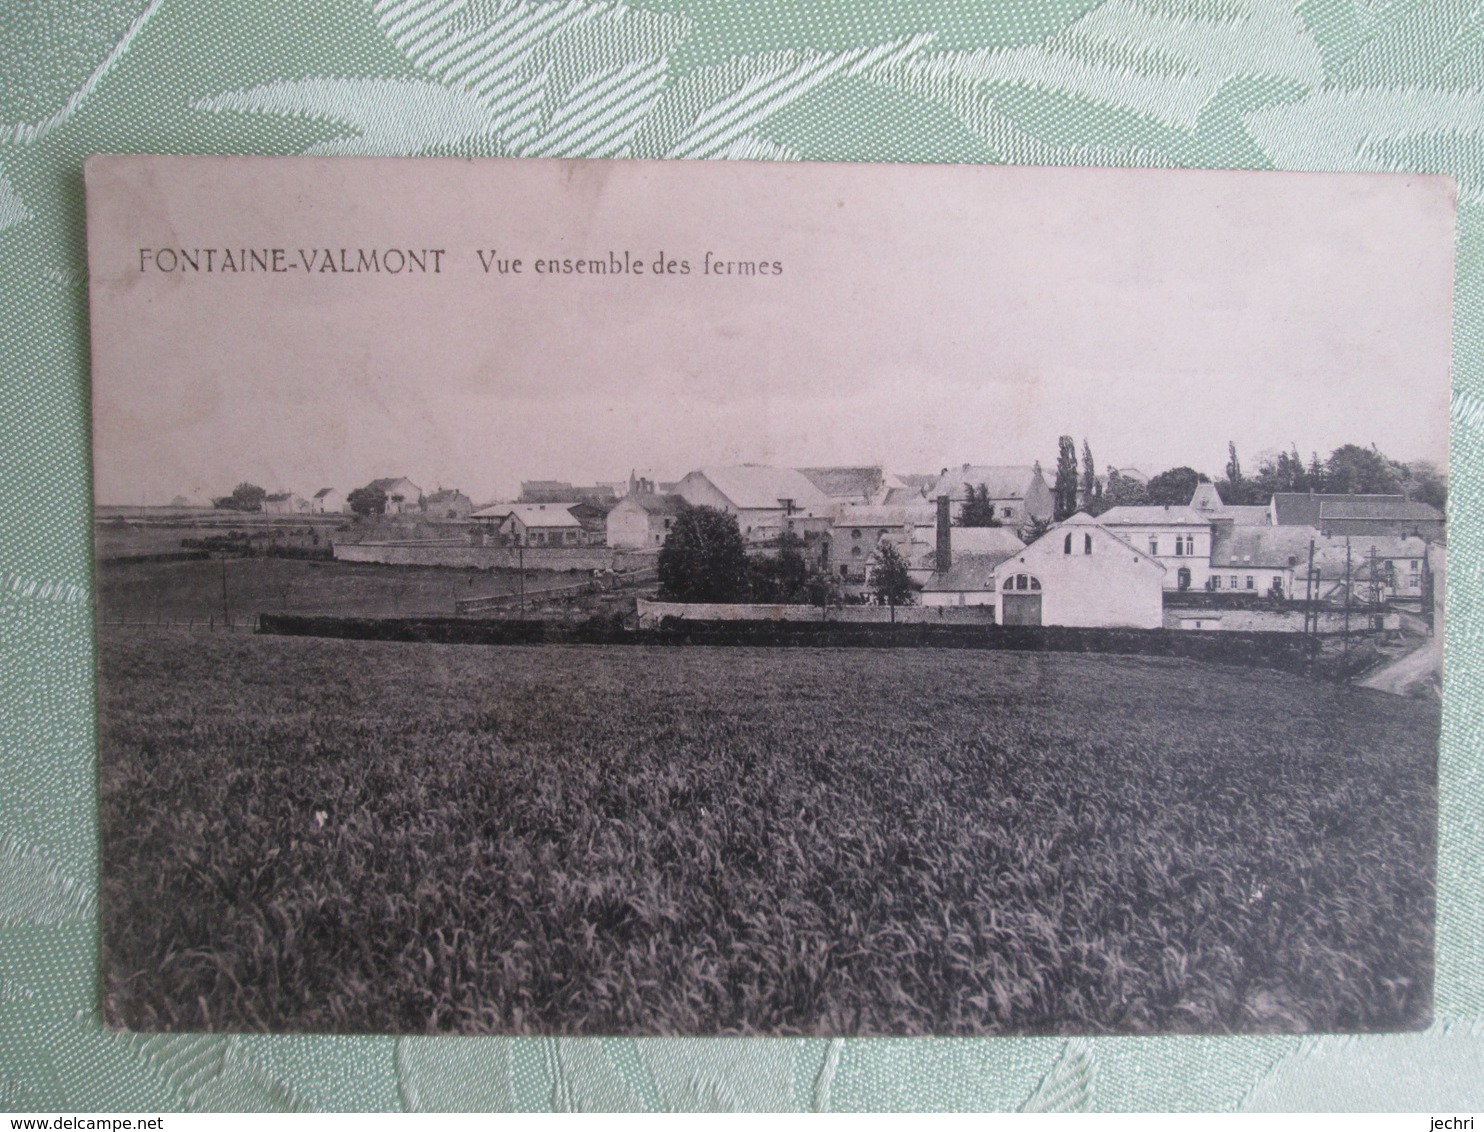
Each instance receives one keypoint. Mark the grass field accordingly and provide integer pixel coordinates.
(145, 591)
(308, 834)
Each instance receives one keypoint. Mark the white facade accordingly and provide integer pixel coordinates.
(641, 521)
(328, 501)
(761, 498)
(1177, 537)
(1081, 574)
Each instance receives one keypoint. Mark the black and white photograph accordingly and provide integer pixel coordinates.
(748, 598)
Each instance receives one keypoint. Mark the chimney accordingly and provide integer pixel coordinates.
(945, 540)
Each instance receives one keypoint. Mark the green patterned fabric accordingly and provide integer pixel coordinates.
(1317, 84)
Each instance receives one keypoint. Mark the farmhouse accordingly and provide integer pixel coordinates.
(1178, 537)
(642, 519)
(1082, 574)
(762, 498)
(1018, 491)
(540, 524)
(1265, 561)
(403, 497)
(1366, 515)
(328, 501)
(284, 503)
(448, 505)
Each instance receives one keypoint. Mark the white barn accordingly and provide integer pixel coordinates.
(1081, 574)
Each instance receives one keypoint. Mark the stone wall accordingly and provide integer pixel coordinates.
(653, 612)
(460, 554)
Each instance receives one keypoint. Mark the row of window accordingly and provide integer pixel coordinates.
(1066, 546)
(1216, 582)
(1184, 546)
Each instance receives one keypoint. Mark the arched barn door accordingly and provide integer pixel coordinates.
(1022, 600)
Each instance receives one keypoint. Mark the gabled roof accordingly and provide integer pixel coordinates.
(755, 487)
(1001, 541)
(919, 514)
(846, 483)
(1004, 481)
(1082, 520)
(278, 497)
(446, 496)
(1305, 509)
(322, 492)
(655, 504)
(386, 483)
(1246, 514)
(915, 480)
(541, 514)
(1274, 548)
(898, 496)
(1153, 516)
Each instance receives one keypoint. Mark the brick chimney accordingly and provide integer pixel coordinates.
(945, 539)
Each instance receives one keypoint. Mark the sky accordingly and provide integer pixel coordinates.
(921, 317)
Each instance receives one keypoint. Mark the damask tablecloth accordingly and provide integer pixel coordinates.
(1317, 84)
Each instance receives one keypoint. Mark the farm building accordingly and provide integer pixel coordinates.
(642, 519)
(560, 491)
(963, 561)
(762, 498)
(403, 497)
(452, 504)
(1259, 560)
(857, 529)
(541, 524)
(1365, 515)
(284, 503)
(867, 484)
(1018, 491)
(328, 501)
(1178, 537)
(1082, 574)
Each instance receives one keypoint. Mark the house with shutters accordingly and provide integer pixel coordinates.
(1081, 573)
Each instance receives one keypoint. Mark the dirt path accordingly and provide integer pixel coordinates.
(1406, 674)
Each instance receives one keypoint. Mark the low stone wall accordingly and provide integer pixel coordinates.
(653, 612)
(464, 556)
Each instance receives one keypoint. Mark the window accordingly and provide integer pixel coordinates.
(1413, 564)
(1007, 512)
(1251, 582)
(1066, 545)
(855, 534)
(1023, 582)
(1215, 581)
(1154, 546)
(1087, 543)
(855, 552)
(1234, 581)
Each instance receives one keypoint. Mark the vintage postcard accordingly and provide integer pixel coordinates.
(621, 597)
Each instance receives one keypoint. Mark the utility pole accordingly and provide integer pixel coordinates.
(521, 552)
(226, 622)
(1309, 614)
(1347, 595)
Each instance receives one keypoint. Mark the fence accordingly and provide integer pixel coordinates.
(498, 602)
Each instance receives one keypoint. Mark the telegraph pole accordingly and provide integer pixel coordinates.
(226, 624)
(1347, 595)
(521, 552)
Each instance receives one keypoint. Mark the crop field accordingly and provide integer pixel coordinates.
(176, 591)
(307, 834)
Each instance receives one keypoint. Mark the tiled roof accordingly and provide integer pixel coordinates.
(919, 514)
(542, 514)
(1004, 481)
(656, 504)
(755, 487)
(969, 572)
(992, 541)
(846, 483)
(322, 492)
(1153, 516)
(1304, 509)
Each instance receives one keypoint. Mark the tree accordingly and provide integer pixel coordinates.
(783, 579)
(1353, 470)
(1034, 528)
(977, 509)
(1174, 488)
(1064, 491)
(1426, 484)
(1233, 465)
(890, 580)
(368, 500)
(244, 497)
(1090, 489)
(704, 558)
(1122, 491)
